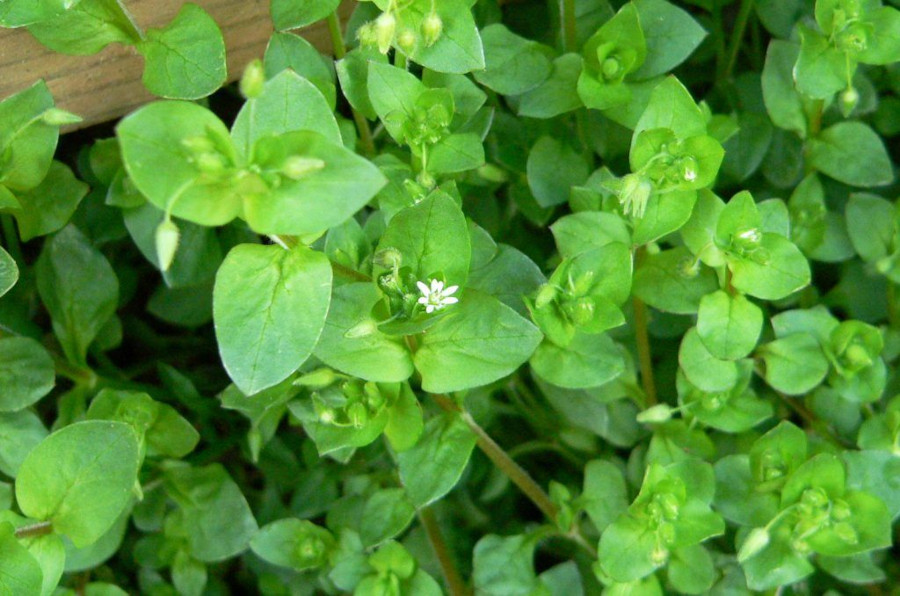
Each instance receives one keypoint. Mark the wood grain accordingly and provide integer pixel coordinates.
(108, 85)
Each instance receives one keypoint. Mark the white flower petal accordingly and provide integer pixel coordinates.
(423, 288)
(437, 286)
(423, 300)
(450, 290)
(449, 300)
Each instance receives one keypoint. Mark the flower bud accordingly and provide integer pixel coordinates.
(367, 36)
(546, 294)
(659, 556)
(432, 26)
(253, 79)
(198, 144)
(584, 283)
(167, 236)
(492, 173)
(406, 39)
(209, 162)
(840, 510)
(688, 169)
(321, 377)
(846, 532)
(364, 328)
(385, 25)
(296, 167)
(426, 180)
(581, 311)
(688, 267)
(757, 539)
(849, 100)
(358, 414)
(634, 195)
(58, 117)
(656, 414)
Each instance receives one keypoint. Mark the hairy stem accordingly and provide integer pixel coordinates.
(455, 583)
(642, 338)
(502, 460)
(340, 50)
(737, 36)
(37, 529)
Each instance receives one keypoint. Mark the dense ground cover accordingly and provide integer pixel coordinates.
(544, 298)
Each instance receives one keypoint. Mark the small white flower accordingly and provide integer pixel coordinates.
(437, 296)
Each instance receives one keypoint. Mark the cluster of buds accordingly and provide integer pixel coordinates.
(359, 404)
(383, 31)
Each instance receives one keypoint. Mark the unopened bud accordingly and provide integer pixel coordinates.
(253, 79)
(846, 532)
(582, 311)
(58, 117)
(367, 35)
(406, 39)
(656, 414)
(296, 167)
(322, 377)
(364, 328)
(757, 539)
(610, 68)
(167, 236)
(432, 27)
(849, 100)
(492, 173)
(546, 294)
(385, 25)
(389, 258)
(358, 414)
(689, 169)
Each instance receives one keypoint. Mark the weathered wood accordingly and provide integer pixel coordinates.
(108, 85)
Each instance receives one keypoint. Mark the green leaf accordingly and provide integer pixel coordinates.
(626, 549)
(777, 564)
(580, 232)
(605, 495)
(159, 138)
(795, 364)
(186, 58)
(288, 102)
(20, 432)
(18, 13)
(214, 516)
(553, 168)
(671, 35)
(26, 373)
(386, 513)
(513, 64)
(372, 356)
(293, 543)
(729, 326)
(79, 306)
(505, 565)
(9, 272)
(852, 153)
(50, 205)
(458, 49)
(704, 370)
(783, 104)
(353, 74)
(314, 201)
(670, 281)
(588, 361)
(456, 153)
(86, 28)
(871, 224)
(777, 273)
(80, 478)
(665, 213)
(672, 106)
(433, 239)
(20, 573)
(478, 341)
(434, 465)
(288, 14)
(393, 93)
(405, 423)
(558, 93)
(691, 570)
(269, 307)
(821, 70)
(289, 51)
(27, 141)
(883, 40)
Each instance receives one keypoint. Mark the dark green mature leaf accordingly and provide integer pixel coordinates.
(729, 326)
(478, 341)
(852, 153)
(50, 205)
(20, 432)
(434, 465)
(79, 306)
(297, 544)
(290, 14)
(26, 373)
(80, 478)
(214, 516)
(186, 58)
(553, 168)
(269, 306)
(671, 281)
(588, 361)
(671, 35)
(783, 103)
(513, 64)
(558, 93)
(373, 355)
(505, 565)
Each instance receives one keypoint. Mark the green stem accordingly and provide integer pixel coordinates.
(340, 50)
(892, 304)
(400, 60)
(38, 529)
(737, 36)
(645, 357)
(455, 583)
(502, 460)
(12, 238)
(569, 32)
(823, 429)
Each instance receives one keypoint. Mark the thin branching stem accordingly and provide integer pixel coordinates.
(455, 584)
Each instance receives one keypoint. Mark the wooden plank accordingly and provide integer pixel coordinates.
(108, 85)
